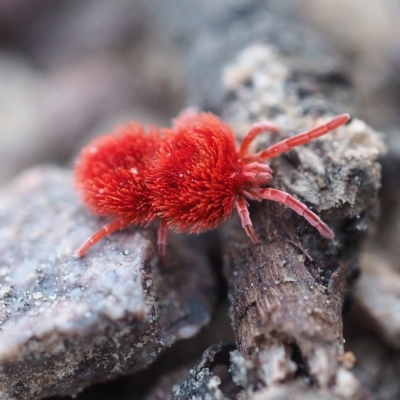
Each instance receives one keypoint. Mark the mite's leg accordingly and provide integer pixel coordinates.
(106, 230)
(299, 139)
(162, 238)
(300, 208)
(255, 129)
(244, 216)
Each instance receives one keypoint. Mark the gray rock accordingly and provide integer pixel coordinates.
(68, 322)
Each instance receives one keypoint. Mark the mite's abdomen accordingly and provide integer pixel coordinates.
(110, 172)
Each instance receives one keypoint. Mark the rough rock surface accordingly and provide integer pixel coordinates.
(68, 322)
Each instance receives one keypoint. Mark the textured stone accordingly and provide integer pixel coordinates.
(68, 322)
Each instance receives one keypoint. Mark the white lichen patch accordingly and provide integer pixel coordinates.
(346, 384)
(357, 140)
(276, 365)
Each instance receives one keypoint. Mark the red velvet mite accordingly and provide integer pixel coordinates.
(191, 177)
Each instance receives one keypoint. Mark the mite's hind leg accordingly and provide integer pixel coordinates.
(300, 208)
(106, 230)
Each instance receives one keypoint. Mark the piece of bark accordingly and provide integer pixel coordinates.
(287, 293)
(66, 322)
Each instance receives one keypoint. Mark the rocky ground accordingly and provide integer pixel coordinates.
(294, 317)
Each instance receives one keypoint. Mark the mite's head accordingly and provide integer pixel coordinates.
(254, 174)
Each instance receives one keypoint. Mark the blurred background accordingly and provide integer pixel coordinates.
(73, 69)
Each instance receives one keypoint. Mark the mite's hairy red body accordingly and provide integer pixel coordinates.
(191, 177)
(192, 182)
